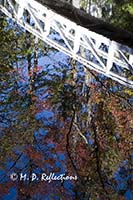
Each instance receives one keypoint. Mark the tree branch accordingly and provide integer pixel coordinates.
(80, 133)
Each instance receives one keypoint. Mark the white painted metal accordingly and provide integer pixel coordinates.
(101, 54)
(76, 3)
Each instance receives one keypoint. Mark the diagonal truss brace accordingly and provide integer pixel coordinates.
(100, 53)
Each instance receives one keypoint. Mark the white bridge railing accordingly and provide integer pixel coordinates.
(89, 48)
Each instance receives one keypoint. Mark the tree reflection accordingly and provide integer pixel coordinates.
(56, 121)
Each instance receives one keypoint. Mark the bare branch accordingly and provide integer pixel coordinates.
(80, 133)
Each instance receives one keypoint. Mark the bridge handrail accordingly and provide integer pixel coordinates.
(93, 50)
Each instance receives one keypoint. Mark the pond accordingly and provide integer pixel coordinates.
(65, 133)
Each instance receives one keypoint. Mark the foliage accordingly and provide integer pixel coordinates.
(62, 124)
(122, 12)
(123, 15)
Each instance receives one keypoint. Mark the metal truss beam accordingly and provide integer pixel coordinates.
(101, 54)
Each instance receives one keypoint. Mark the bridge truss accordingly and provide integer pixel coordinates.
(93, 50)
